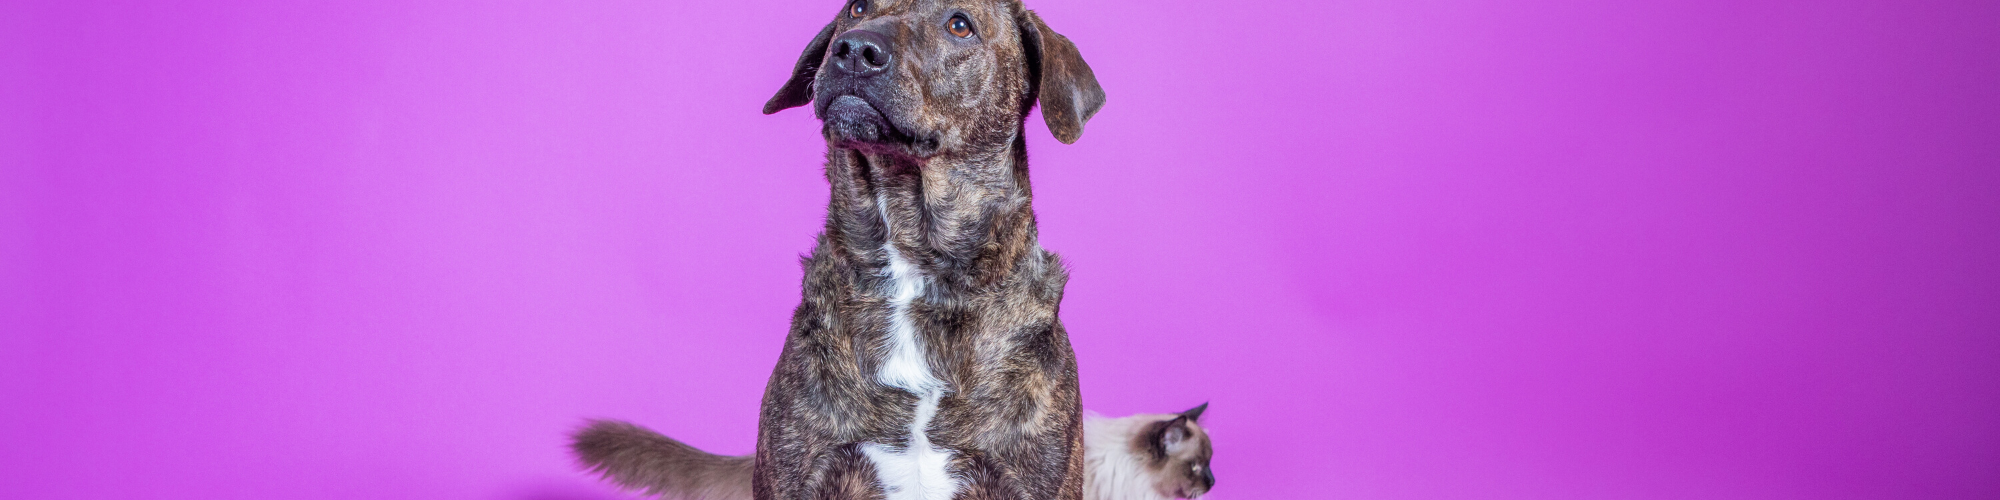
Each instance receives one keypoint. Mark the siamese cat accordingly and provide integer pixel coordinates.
(1146, 456)
(1149, 456)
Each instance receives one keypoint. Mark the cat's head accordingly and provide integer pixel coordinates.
(1177, 450)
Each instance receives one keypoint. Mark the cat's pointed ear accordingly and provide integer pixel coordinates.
(1065, 85)
(799, 90)
(1173, 433)
(1195, 413)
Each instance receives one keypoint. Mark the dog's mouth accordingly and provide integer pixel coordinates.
(854, 122)
(850, 118)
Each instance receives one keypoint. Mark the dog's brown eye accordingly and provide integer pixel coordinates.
(860, 7)
(959, 27)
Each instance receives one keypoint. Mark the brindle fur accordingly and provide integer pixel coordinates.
(640, 459)
(939, 173)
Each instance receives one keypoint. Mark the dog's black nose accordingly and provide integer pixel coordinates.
(862, 53)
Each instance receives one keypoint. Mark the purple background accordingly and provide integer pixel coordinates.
(1409, 249)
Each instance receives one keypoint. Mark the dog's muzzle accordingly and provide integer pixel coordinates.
(859, 67)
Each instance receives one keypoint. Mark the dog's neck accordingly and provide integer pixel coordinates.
(964, 219)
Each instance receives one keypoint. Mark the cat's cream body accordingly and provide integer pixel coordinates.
(1111, 468)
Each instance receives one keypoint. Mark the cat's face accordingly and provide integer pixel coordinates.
(1176, 451)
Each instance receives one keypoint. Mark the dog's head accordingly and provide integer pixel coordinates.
(920, 78)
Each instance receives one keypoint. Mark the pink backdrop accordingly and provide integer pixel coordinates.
(1409, 249)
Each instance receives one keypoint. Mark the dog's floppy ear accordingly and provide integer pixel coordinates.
(1068, 90)
(799, 90)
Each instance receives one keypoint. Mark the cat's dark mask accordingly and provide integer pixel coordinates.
(1179, 452)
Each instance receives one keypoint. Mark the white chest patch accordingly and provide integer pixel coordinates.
(916, 471)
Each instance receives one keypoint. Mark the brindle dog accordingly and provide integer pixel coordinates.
(926, 361)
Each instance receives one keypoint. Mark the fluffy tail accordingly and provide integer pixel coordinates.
(640, 459)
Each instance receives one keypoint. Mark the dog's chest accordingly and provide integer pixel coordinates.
(916, 470)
